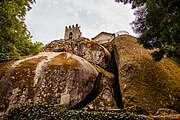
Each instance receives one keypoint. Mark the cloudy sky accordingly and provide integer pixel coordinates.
(48, 18)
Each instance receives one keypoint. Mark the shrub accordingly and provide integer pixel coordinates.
(47, 111)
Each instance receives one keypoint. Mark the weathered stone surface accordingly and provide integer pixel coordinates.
(165, 111)
(82, 47)
(4, 66)
(57, 78)
(145, 83)
(105, 99)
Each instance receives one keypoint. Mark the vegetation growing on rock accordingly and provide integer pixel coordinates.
(82, 47)
(4, 67)
(105, 99)
(78, 74)
(145, 83)
(56, 78)
(49, 111)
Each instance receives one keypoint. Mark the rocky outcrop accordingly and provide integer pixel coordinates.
(76, 74)
(56, 78)
(70, 73)
(144, 83)
(105, 99)
(82, 47)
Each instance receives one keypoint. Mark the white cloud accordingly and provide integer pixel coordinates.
(47, 19)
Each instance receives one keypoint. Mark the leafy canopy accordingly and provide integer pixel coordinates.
(158, 24)
(14, 36)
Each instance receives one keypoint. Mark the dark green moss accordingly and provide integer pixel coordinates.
(51, 112)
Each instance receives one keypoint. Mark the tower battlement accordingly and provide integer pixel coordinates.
(72, 32)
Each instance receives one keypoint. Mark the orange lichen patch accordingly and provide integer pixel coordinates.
(103, 71)
(4, 66)
(23, 76)
(24, 57)
(94, 45)
(64, 60)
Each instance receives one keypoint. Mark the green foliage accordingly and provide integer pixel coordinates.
(46, 112)
(14, 36)
(36, 47)
(158, 23)
(157, 55)
(93, 41)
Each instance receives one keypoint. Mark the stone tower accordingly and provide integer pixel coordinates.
(72, 32)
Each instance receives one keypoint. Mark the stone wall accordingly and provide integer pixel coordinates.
(72, 32)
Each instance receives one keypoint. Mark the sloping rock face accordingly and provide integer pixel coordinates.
(82, 47)
(57, 78)
(144, 83)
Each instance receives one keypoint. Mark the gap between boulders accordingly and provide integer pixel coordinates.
(116, 85)
(99, 87)
(92, 95)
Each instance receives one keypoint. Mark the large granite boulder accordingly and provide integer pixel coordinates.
(89, 50)
(144, 83)
(59, 78)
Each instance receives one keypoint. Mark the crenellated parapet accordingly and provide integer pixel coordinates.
(72, 32)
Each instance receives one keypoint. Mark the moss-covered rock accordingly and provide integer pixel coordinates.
(143, 82)
(57, 78)
(81, 78)
(91, 51)
(4, 66)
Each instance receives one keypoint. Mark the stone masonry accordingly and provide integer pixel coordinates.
(72, 32)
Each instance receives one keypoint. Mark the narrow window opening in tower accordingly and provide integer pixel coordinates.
(70, 35)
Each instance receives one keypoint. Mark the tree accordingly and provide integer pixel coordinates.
(158, 24)
(14, 36)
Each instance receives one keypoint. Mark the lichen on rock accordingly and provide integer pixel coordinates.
(63, 79)
(80, 73)
(82, 47)
(105, 99)
(145, 83)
